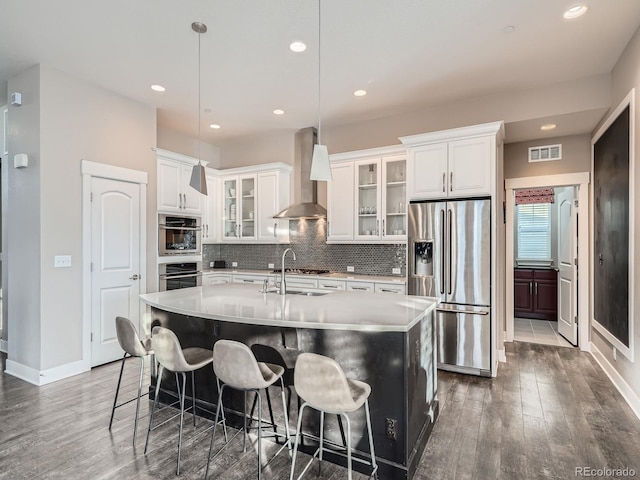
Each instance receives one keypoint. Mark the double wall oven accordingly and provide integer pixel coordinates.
(179, 235)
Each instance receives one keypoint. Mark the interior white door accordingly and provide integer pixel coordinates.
(115, 258)
(567, 256)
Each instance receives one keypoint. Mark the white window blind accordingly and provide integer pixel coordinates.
(534, 231)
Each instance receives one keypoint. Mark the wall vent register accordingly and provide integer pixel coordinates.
(545, 153)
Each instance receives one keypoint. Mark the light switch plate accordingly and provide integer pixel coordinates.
(271, 265)
(210, 264)
(395, 271)
(350, 269)
(62, 261)
(234, 264)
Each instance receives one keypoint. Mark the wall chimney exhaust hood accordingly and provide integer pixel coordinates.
(308, 206)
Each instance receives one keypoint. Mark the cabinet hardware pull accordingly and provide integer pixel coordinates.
(377, 226)
(388, 290)
(444, 179)
(359, 288)
(451, 182)
(383, 231)
(536, 288)
(275, 229)
(530, 288)
(134, 277)
(328, 286)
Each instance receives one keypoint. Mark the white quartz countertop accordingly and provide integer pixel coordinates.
(332, 275)
(338, 310)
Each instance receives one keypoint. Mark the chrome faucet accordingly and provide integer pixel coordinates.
(283, 283)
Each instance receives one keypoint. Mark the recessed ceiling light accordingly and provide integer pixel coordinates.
(548, 126)
(360, 93)
(158, 88)
(278, 111)
(508, 29)
(575, 12)
(215, 126)
(297, 47)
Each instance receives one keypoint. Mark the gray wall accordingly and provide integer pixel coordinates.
(61, 122)
(576, 157)
(625, 76)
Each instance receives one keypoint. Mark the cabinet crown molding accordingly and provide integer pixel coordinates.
(368, 153)
(493, 128)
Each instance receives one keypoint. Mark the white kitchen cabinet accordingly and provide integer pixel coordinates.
(340, 202)
(397, 288)
(299, 282)
(452, 169)
(360, 286)
(367, 197)
(211, 211)
(239, 208)
(273, 197)
(175, 195)
(215, 278)
(332, 284)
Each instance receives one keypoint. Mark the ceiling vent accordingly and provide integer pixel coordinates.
(545, 153)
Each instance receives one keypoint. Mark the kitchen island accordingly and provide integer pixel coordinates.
(385, 340)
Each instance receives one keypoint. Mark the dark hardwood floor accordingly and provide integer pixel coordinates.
(550, 410)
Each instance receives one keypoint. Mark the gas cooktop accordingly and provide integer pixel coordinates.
(303, 271)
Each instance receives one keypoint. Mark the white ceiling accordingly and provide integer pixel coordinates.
(405, 53)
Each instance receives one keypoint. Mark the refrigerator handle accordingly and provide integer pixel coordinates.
(443, 252)
(449, 246)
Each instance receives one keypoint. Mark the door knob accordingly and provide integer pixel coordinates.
(134, 277)
(600, 260)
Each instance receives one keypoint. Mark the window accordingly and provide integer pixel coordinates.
(534, 231)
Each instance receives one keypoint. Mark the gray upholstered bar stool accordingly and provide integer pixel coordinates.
(133, 347)
(170, 355)
(236, 367)
(323, 386)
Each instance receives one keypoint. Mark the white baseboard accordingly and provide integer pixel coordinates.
(623, 387)
(4, 346)
(502, 355)
(43, 377)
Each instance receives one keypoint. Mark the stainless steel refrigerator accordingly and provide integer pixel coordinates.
(449, 256)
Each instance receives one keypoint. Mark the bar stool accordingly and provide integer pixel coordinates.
(172, 357)
(236, 367)
(133, 347)
(323, 386)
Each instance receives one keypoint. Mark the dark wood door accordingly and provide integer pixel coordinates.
(522, 298)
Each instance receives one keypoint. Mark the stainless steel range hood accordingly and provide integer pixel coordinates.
(308, 206)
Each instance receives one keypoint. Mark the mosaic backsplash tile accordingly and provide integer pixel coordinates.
(308, 240)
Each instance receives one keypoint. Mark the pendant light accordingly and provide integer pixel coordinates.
(198, 175)
(320, 167)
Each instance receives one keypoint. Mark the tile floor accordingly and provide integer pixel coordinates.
(538, 331)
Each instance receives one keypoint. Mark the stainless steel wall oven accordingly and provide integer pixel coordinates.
(179, 275)
(179, 235)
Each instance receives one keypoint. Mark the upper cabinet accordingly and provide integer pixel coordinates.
(211, 210)
(366, 201)
(175, 195)
(250, 199)
(454, 163)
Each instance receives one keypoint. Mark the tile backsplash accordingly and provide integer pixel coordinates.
(308, 241)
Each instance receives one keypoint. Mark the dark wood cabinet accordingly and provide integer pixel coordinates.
(535, 293)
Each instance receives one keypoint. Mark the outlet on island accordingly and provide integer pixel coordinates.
(350, 269)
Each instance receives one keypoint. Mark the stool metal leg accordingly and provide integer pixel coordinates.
(259, 435)
(155, 405)
(321, 442)
(298, 435)
(374, 464)
(348, 446)
(286, 416)
(115, 400)
(215, 424)
(135, 424)
(224, 421)
(184, 384)
(193, 396)
(244, 434)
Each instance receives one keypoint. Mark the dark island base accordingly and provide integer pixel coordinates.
(397, 365)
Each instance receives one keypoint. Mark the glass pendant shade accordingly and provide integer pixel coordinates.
(320, 167)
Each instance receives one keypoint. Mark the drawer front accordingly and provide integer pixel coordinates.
(390, 288)
(215, 279)
(332, 284)
(301, 282)
(360, 286)
(526, 273)
(249, 278)
(549, 275)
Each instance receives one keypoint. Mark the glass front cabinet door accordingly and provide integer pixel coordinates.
(368, 199)
(230, 214)
(394, 198)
